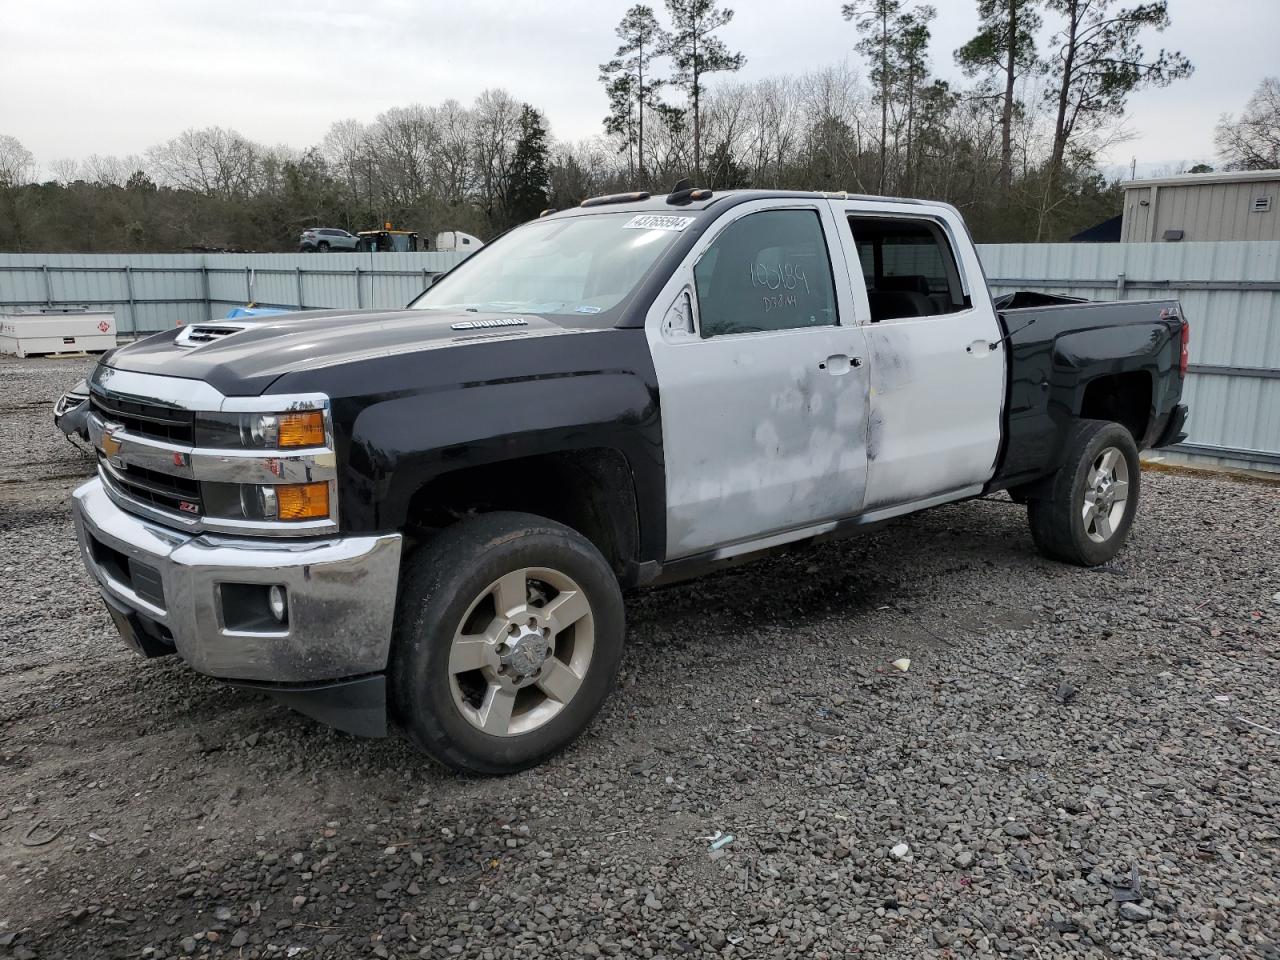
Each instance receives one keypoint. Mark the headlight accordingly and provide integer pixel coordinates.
(260, 431)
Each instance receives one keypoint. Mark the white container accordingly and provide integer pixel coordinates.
(26, 334)
(457, 240)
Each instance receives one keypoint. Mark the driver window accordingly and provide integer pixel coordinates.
(767, 271)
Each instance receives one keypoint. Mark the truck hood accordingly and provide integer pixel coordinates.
(242, 356)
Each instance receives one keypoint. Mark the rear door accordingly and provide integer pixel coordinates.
(763, 382)
(934, 351)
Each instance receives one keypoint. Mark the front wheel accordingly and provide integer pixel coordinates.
(508, 639)
(1085, 514)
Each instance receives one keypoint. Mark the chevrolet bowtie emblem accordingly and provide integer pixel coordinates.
(110, 445)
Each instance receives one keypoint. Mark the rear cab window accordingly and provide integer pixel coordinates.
(909, 268)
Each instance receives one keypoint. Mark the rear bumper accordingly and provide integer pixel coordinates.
(1173, 431)
(171, 588)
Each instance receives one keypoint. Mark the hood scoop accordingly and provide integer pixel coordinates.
(198, 334)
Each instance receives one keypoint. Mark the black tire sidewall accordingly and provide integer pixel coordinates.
(442, 581)
(1089, 446)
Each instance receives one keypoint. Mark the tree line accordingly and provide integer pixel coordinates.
(1015, 146)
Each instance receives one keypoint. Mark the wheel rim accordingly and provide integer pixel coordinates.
(1106, 495)
(521, 651)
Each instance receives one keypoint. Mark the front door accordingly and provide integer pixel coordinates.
(763, 381)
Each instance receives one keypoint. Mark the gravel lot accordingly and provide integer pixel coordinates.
(1077, 762)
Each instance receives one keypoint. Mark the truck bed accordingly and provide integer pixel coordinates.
(1071, 358)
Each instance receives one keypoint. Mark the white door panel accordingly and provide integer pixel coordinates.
(937, 386)
(757, 438)
(763, 432)
(935, 409)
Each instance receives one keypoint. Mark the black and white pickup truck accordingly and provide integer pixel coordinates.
(425, 518)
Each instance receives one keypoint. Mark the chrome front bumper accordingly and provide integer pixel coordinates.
(341, 606)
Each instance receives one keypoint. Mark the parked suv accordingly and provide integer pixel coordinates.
(324, 239)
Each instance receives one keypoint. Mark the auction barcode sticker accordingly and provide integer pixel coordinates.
(653, 221)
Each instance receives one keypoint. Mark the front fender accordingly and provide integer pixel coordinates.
(499, 402)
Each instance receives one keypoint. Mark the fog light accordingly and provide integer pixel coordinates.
(278, 600)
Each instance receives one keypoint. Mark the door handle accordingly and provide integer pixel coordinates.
(839, 364)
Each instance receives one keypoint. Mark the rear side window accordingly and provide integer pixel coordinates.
(767, 271)
(909, 268)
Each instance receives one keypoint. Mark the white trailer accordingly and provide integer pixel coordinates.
(46, 332)
(457, 240)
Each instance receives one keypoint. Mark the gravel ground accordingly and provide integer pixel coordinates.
(1078, 762)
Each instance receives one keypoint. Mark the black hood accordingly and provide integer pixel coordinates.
(245, 362)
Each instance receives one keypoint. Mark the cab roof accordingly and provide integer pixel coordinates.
(660, 203)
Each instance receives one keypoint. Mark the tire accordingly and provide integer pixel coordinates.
(522, 685)
(1075, 518)
(322, 246)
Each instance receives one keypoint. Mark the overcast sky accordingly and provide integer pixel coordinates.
(116, 77)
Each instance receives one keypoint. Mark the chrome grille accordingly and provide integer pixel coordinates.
(161, 490)
(154, 420)
(144, 429)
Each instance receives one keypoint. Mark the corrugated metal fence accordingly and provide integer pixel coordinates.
(150, 292)
(1230, 291)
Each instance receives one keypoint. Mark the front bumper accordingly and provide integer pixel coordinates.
(169, 585)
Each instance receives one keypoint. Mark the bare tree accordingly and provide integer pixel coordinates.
(214, 161)
(17, 165)
(17, 170)
(453, 169)
(495, 130)
(401, 143)
(1253, 141)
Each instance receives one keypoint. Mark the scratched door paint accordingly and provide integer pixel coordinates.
(764, 394)
(937, 382)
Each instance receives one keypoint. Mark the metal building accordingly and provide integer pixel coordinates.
(1244, 205)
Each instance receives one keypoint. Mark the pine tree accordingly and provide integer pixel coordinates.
(528, 182)
(695, 52)
(1100, 61)
(895, 39)
(628, 76)
(1004, 47)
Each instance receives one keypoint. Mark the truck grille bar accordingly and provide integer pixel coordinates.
(158, 489)
(153, 420)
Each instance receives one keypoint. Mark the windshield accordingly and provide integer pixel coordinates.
(582, 265)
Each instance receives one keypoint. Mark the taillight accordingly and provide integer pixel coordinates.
(1184, 357)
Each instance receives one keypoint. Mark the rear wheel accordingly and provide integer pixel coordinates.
(508, 639)
(1085, 514)
(323, 246)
